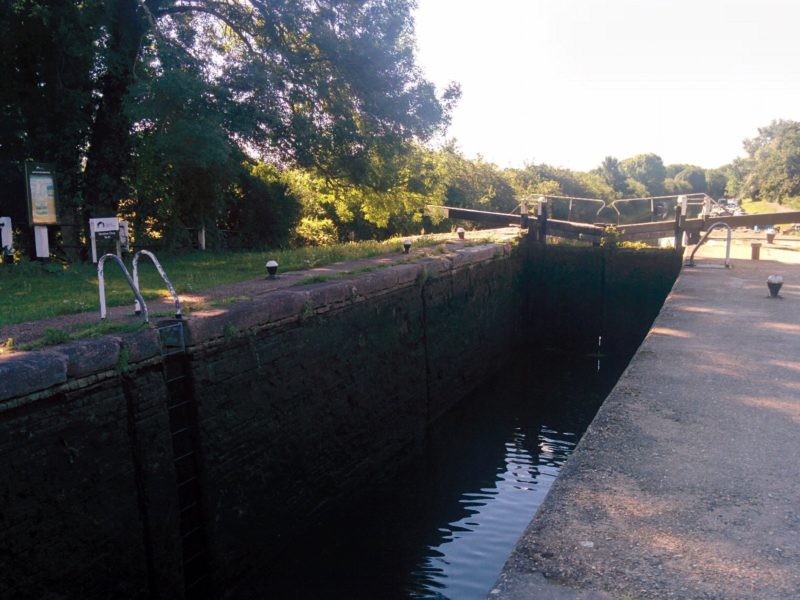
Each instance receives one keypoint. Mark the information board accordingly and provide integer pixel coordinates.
(40, 181)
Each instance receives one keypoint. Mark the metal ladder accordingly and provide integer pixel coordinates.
(183, 431)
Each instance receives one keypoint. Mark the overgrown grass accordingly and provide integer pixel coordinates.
(29, 292)
(761, 207)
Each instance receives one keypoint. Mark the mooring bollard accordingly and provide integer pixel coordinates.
(755, 250)
(774, 284)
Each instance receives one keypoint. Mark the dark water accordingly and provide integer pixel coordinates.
(445, 526)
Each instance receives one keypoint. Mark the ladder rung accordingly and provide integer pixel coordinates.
(190, 480)
(187, 455)
(191, 531)
(196, 581)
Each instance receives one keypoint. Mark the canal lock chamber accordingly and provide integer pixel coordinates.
(364, 416)
(305, 404)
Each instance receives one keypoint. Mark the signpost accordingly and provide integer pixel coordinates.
(6, 241)
(105, 228)
(40, 186)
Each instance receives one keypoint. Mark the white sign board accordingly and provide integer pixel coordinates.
(106, 227)
(6, 239)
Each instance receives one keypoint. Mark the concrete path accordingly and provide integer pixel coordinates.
(687, 484)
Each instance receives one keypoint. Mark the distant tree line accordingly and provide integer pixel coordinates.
(276, 122)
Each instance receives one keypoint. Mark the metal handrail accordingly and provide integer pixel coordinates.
(102, 285)
(690, 262)
(571, 199)
(161, 272)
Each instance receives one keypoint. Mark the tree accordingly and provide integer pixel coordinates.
(324, 84)
(48, 59)
(548, 180)
(475, 183)
(612, 174)
(716, 182)
(694, 179)
(774, 155)
(647, 169)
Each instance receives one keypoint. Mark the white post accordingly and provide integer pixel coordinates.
(6, 237)
(93, 241)
(42, 243)
(124, 236)
(201, 237)
(101, 282)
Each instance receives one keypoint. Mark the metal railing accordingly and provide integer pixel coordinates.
(102, 285)
(160, 269)
(690, 262)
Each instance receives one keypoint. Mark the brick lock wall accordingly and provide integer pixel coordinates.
(70, 521)
(297, 417)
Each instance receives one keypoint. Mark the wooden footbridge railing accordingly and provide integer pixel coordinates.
(541, 225)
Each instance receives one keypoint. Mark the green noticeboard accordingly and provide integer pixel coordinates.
(40, 184)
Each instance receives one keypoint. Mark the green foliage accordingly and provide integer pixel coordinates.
(474, 184)
(316, 232)
(229, 331)
(648, 170)
(123, 362)
(611, 172)
(53, 336)
(28, 293)
(610, 239)
(536, 180)
(773, 169)
(155, 106)
(694, 179)
(717, 182)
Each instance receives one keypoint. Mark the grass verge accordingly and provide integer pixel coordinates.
(30, 292)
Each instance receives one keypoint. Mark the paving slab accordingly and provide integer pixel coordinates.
(687, 483)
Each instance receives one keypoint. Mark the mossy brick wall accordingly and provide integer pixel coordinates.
(76, 481)
(297, 417)
(304, 396)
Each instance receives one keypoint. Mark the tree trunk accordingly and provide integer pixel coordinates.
(109, 155)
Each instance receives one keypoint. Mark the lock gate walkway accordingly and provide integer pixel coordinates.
(687, 483)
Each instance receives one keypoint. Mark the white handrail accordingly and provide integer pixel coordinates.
(102, 285)
(161, 272)
(690, 263)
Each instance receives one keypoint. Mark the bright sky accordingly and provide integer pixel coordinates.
(568, 82)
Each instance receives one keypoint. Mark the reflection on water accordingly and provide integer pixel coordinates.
(445, 527)
(473, 548)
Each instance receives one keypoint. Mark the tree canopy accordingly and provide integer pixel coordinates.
(271, 122)
(155, 105)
